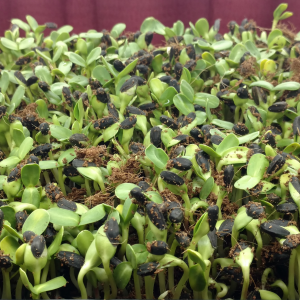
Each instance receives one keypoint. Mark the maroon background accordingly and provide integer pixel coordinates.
(99, 14)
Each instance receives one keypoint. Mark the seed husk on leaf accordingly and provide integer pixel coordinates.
(70, 259)
(278, 107)
(181, 163)
(216, 139)
(225, 228)
(67, 204)
(202, 159)
(274, 230)
(240, 129)
(28, 236)
(288, 207)
(128, 122)
(171, 178)
(171, 123)
(77, 138)
(183, 239)
(38, 245)
(158, 247)
(254, 210)
(21, 217)
(112, 231)
(213, 212)
(147, 269)
(276, 164)
(44, 128)
(155, 136)
(137, 193)
(155, 215)
(42, 150)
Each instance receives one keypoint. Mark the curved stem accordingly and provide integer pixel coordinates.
(182, 280)
(81, 285)
(279, 283)
(265, 276)
(224, 290)
(98, 140)
(73, 278)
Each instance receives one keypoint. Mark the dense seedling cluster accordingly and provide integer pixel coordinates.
(132, 171)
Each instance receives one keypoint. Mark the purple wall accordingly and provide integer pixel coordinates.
(98, 14)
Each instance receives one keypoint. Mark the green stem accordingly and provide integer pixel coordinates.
(265, 276)
(220, 247)
(61, 180)
(162, 282)
(7, 99)
(298, 266)
(182, 280)
(140, 232)
(55, 174)
(274, 24)
(291, 279)
(87, 187)
(98, 140)
(46, 176)
(204, 293)
(149, 284)
(137, 286)
(73, 278)
(106, 291)
(37, 280)
(221, 195)
(119, 148)
(44, 278)
(101, 184)
(81, 285)
(6, 293)
(125, 233)
(246, 282)
(96, 186)
(28, 93)
(19, 289)
(237, 114)
(111, 280)
(171, 269)
(187, 212)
